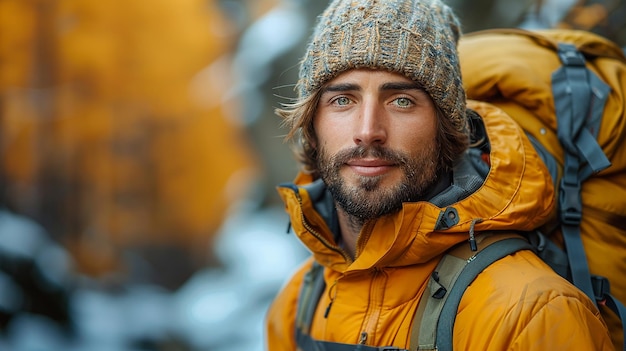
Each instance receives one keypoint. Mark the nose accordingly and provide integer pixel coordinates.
(370, 126)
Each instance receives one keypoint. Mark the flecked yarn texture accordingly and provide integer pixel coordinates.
(417, 38)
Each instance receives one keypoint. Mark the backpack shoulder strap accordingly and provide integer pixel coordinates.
(436, 313)
(312, 287)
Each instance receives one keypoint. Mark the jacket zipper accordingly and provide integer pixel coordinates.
(372, 315)
(323, 240)
(316, 234)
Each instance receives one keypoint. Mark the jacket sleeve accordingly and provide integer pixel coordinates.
(280, 319)
(518, 303)
(564, 324)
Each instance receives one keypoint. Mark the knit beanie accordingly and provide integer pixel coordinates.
(417, 38)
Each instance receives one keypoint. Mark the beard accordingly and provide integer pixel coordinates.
(368, 198)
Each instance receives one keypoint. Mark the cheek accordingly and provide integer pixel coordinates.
(327, 134)
(415, 135)
(325, 149)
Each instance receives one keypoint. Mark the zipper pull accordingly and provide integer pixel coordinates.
(331, 295)
(363, 338)
(288, 226)
(472, 239)
(328, 309)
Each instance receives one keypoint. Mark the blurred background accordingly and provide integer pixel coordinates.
(138, 158)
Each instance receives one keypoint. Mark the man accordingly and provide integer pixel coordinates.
(389, 185)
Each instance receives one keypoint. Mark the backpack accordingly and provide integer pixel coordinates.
(535, 77)
(567, 90)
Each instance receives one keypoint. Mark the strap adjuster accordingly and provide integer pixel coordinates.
(601, 287)
(570, 56)
(571, 217)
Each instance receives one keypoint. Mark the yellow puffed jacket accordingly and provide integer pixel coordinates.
(517, 303)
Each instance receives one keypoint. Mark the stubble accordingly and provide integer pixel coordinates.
(368, 198)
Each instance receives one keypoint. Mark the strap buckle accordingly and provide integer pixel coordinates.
(570, 202)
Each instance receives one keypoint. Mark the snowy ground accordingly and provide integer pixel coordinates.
(217, 309)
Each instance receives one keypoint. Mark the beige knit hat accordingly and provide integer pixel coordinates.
(417, 38)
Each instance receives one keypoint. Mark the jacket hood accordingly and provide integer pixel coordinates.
(513, 192)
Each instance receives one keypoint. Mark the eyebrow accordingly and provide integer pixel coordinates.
(387, 86)
(340, 87)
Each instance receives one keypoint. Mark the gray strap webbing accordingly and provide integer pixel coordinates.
(619, 308)
(486, 257)
(616, 306)
(579, 98)
(310, 293)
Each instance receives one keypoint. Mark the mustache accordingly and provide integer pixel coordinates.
(375, 151)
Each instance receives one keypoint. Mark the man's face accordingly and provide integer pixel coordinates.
(376, 137)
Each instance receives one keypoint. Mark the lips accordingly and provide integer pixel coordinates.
(370, 167)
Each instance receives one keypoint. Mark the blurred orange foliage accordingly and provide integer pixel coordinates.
(116, 129)
(603, 17)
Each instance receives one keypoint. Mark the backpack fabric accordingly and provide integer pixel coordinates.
(566, 89)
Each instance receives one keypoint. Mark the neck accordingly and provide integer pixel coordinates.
(350, 228)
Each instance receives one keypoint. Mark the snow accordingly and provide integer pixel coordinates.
(217, 309)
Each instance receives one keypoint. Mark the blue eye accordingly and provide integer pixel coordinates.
(403, 102)
(342, 101)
